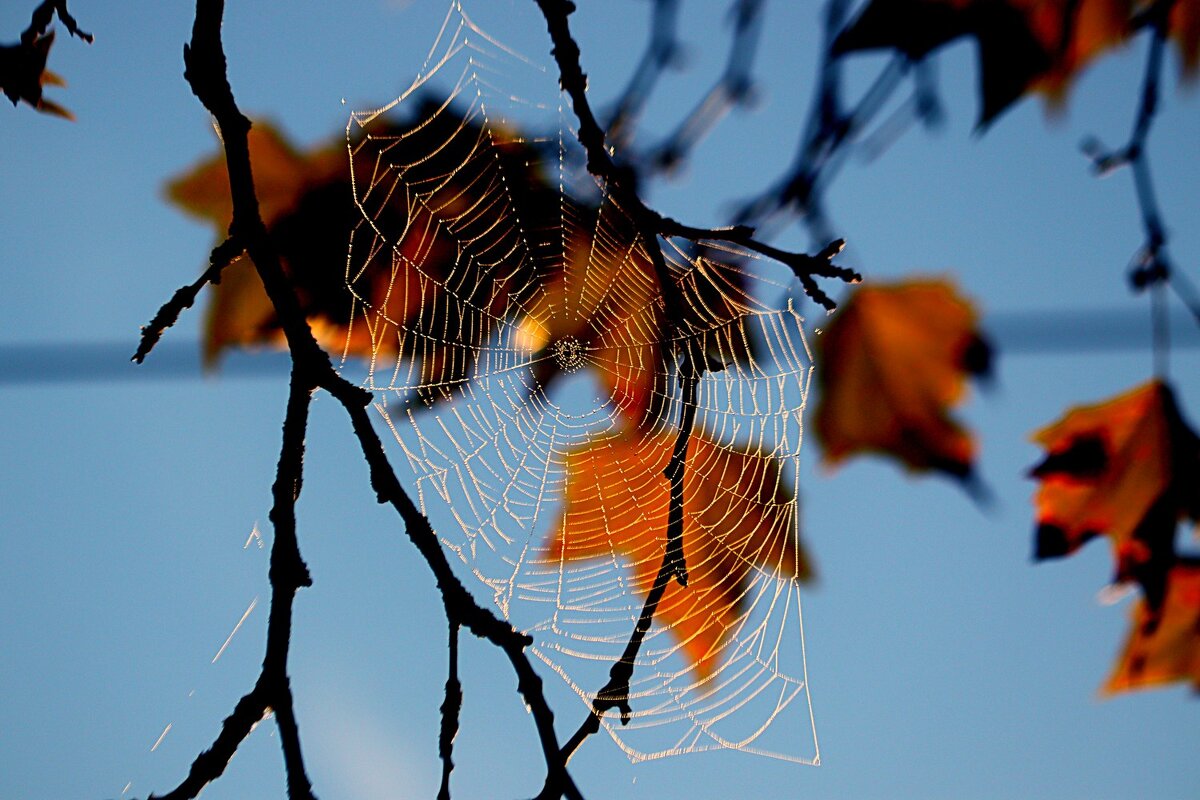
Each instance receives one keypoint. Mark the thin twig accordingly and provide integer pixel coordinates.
(222, 256)
(451, 707)
(621, 180)
(312, 369)
(1152, 265)
(661, 51)
(460, 605)
(734, 87)
(829, 131)
(288, 572)
(615, 693)
(44, 14)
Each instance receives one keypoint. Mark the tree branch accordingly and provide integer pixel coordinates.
(661, 51)
(460, 605)
(1152, 264)
(288, 573)
(222, 256)
(205, 71)
(44, 14)
(733, 87)
(451, 707)
(615, 693)
(621, 180)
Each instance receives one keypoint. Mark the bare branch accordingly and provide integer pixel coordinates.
(734, 87)
(451, 707)
(44, 14)
(1152, 265)
(661, 51)
(205, 71)
(621, 180)
(460, 605)
(222, 256)
(615, 693)
(211, 764)
(288, 573)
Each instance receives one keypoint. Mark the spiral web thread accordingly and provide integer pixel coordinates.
(527, 358)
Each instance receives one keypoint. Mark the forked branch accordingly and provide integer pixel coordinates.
(44, 14)
(622, 183)
(311, 370)
(615, 693)
(651, 225)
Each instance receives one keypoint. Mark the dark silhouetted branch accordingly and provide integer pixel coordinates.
(451, 707)
(43, 15)
(734, 87)
(460, 605)
(222, 256)
(288, 572)
(622, 182)
(205, 71)
(615, 693)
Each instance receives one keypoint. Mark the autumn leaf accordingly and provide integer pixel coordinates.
(1163, 645)
(23, 73)
(418, 284)
(240, 313)
(1127, 468)
(1023, 45)
(739, 520)
(891, 364)
(1185, 32)
(1073, 33)
(599, 310)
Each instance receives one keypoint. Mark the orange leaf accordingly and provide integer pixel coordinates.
(23, 73)
(1023, 45)
(1010, 55)
(738, 520)
(1126, 468)
(891, 364)
(422, 187)
(453, 232)
(1072, 33)
(1163, 645)
(240, 313)
(1185, 31)
(601, 305)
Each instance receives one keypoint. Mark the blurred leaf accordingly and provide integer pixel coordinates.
(738, 519)
(1127, 468)
(1185, 31)
(1163, 645)
(603, 305)
(415, 284)
(1023, 45)
(240, 313)
(23, 73)
(891, 364)
(453, 232)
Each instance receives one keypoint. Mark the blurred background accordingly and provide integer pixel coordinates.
(942, 662)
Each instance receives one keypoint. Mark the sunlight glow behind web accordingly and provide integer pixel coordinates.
(527, 364)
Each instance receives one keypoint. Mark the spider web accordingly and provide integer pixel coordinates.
(528, 361)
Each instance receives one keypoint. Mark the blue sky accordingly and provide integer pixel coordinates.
(943, 663)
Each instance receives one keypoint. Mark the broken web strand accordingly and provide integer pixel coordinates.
(515, 323)
(185, 720)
